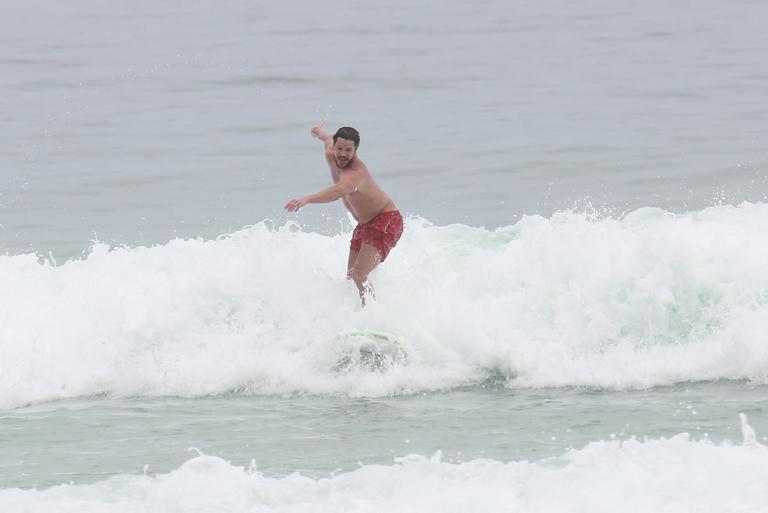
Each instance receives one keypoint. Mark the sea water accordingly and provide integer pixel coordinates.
(580, 289)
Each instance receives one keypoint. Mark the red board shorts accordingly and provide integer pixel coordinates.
(382, 232)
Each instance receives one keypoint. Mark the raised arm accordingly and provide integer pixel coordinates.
(318, 132)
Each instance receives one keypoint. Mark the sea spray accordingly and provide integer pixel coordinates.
(647, 299)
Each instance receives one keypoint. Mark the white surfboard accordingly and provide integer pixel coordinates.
(369, 350)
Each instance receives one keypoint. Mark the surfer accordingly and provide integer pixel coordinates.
(379, 223)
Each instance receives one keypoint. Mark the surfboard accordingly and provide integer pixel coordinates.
(369, 350)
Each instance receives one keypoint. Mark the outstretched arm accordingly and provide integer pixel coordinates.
(346, 185)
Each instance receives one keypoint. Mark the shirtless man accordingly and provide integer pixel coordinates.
(379, 223)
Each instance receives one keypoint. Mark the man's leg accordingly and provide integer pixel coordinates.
(365, 261)
(351, 262)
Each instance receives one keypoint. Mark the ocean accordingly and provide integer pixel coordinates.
(581, 288)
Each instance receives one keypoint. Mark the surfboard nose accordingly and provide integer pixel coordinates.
(369, 351)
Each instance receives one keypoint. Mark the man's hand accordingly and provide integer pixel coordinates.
(295, 204)
(318, 132)
(317, 129)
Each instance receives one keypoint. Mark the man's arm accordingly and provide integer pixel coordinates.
(346, 185)
(318, 132)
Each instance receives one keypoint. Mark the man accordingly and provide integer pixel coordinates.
(380, 224)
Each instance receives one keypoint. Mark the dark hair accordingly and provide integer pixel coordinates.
(348, 133)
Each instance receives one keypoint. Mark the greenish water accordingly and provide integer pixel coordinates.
(87, 440)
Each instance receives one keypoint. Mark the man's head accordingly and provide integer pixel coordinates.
(348, 133)
(345, 143)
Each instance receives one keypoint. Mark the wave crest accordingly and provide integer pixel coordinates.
(650, 298)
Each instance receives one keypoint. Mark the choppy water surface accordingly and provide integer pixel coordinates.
(136, 123)
(98, 438)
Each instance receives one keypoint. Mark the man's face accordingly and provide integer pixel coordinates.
(343, 151)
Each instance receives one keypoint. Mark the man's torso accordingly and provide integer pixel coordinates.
(368, 200)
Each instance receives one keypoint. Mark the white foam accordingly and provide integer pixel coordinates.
(670, 475)
(648, 299)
